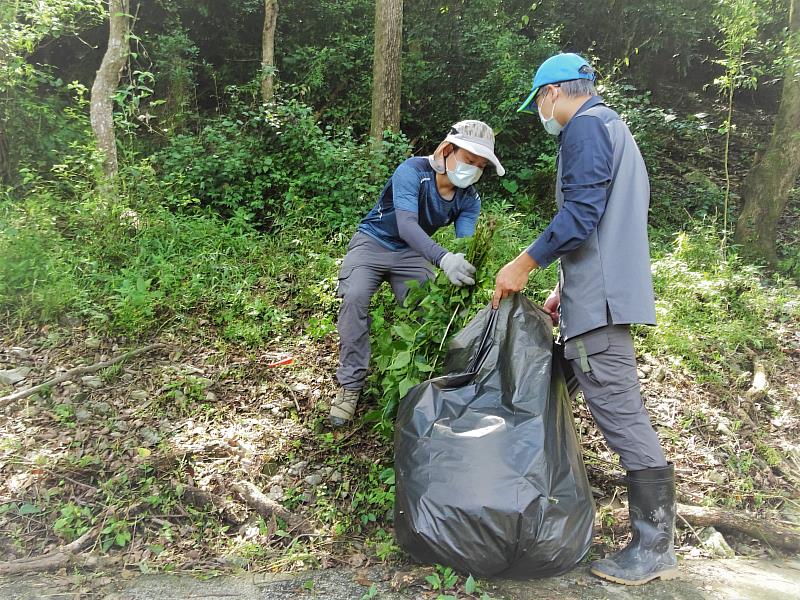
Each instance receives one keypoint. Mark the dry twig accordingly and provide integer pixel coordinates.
(76, 372)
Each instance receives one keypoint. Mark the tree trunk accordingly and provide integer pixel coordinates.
(769, 182)
(386, 67)
(5, 159)
(106, 82)
(268, 49)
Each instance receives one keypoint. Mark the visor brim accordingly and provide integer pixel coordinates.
(478, 150)
(528, 101)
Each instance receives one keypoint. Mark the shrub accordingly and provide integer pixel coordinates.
(272, 165)
(711, 310)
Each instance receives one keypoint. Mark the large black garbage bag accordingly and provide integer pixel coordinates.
(489, 475)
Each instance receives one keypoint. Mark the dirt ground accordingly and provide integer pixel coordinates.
(147, 454)
(729, 579)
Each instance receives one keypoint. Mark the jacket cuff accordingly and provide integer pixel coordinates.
(539, 252)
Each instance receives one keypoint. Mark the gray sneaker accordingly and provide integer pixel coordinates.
(343, 406)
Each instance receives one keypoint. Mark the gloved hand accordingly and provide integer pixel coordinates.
(457, 269)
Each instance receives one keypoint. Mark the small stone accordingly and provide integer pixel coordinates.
(649, 359)
(103, 408)
(92, 381)
(336, 477)
(236, 561)
(121, 426)
(298, 467)
(150, 437)
(82, 415)
(646, 369)
(314, 479)
(715, 543)
(275, 493)
(275, 410)
(92, 342)
(14, 376)
(724, 429)
(641, 374)
(139, 395)
(299, 388)
(211, 397)
(21, 353)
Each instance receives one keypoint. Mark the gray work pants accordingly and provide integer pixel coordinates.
(605, 366)
(365, 267)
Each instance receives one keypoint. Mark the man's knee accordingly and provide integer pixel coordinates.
(625, 424)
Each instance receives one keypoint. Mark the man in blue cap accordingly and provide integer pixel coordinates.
(599, 235)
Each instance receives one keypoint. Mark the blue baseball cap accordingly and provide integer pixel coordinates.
(556, 69)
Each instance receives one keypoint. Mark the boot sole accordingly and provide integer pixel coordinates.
(663, 575)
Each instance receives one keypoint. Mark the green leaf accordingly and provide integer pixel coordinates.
(28, 509)
(407, 384)
(434, 580)
(405, 331)
(469, 585)
(156, 549)
(510, 185)
(401, 360)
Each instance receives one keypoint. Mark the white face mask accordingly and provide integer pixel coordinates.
(463, 175)
(551, 126)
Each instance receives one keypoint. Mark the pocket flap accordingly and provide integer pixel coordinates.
(588, 343)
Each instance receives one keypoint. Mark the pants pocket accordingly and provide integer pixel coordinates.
(581, 347)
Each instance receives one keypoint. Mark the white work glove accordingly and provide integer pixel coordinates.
(457, 269)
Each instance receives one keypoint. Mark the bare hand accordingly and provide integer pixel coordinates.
(512, 278)
(551, 305)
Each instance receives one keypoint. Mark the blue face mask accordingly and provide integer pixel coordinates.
(463, 175)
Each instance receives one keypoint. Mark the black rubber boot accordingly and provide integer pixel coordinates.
(650, 554)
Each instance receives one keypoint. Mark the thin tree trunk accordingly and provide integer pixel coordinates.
(268, 49)
(5, 159)
(106, 82)
(386, 67)
(769, 182)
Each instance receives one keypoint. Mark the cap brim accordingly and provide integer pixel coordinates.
(478, 150)
(525, 105)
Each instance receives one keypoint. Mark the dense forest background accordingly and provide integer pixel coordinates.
(245, 154)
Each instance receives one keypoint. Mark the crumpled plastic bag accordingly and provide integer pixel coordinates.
(489, 475)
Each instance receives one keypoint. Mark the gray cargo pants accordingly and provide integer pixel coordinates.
(365, 267)
(605, 366)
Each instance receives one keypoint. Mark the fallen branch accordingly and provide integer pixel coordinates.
(57, 559)
(769, 532)
(772, 533)
(76, 372)
(264, 506)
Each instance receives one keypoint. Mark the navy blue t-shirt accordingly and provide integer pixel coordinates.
(412, 188)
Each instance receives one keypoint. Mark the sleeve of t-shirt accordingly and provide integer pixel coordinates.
(586, 165)
(468, 217)
(405, 188)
